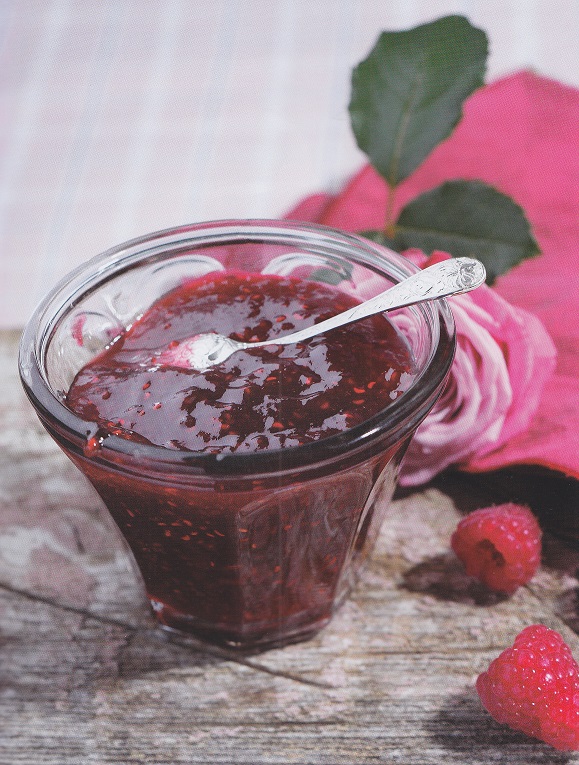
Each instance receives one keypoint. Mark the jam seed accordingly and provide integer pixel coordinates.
(92, 447)
(157, 405)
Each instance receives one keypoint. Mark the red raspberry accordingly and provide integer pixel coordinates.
(500, 546)
(534, 688)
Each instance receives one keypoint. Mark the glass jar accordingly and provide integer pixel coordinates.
(244, 549)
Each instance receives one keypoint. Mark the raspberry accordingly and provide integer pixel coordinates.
(534, 687)
(500, 546)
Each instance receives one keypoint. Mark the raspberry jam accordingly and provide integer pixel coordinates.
(242, 561)
(250, 494)
(271, 398)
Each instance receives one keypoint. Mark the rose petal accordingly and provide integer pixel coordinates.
(517, 134)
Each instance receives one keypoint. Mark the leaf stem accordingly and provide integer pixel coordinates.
(389, 228)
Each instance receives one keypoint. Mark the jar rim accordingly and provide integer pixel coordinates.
(378, 432)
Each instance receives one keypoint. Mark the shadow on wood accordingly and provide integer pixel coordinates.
(444, 577)
(470, 735)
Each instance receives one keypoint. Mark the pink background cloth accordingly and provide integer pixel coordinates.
(519, 134)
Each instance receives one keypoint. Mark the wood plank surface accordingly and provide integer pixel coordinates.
(86, 677)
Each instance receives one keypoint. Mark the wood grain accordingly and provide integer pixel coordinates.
(86, 677)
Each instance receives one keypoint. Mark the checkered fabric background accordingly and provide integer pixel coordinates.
(120, 117)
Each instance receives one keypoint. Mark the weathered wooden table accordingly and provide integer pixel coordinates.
(85, 677)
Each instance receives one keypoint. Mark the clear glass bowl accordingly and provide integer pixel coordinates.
(243, 549)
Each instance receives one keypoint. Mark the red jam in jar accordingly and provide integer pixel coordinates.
(236, 560)
(272, 398)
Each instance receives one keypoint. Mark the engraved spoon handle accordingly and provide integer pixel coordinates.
(448, 277)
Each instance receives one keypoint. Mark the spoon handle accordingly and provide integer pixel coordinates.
(448, 277)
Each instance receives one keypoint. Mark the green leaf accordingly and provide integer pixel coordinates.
(407, 95)
(332, 275)
(468, 218)
(379, 237)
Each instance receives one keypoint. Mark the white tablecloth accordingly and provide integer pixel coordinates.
(120, 117)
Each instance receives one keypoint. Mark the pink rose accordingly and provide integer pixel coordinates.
(504, 356)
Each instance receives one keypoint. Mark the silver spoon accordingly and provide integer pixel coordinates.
(449, 277)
